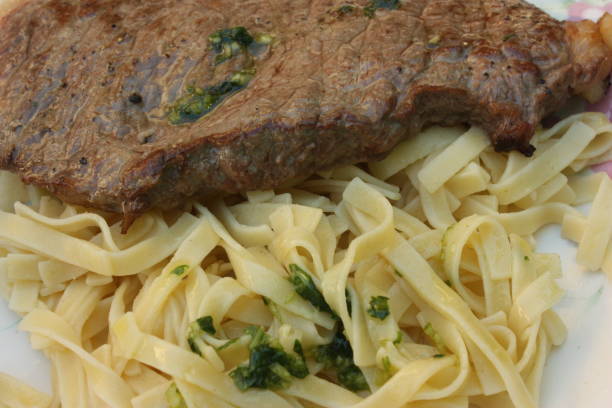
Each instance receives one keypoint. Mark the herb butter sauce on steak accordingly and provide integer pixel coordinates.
(130, 105)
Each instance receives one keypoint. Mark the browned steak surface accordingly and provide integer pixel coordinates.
(86, 88)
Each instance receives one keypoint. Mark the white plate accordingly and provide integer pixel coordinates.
(577, 375)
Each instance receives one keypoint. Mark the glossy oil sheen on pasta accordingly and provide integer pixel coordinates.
(425, 263)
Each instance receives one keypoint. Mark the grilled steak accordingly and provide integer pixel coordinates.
(125, 105)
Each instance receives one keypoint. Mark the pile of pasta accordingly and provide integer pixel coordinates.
(423, 263)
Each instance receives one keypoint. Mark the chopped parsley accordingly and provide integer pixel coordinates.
(386, 362)
(257, 334)
(345, 9)
(195, 337)
(206, 324)
(349, 302)
(269, 366)
(229, 42)
(200, 101)
(226, 43)
(379, 307)
(306, 288)
(228, 344)
(264, 39)
(434, 41)
(179, 270)
(274, 309)
(435, 337)
(398, 338)
(338, 356)
(387, 371)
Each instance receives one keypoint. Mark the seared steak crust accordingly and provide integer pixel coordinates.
(85, 88)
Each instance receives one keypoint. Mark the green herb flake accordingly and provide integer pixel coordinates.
(242, 77)
(398, 338)
(196, 333)
(206, 324)
(379, 307)
(269, 366)
(262, 371)
(197, 329)
(370, 9)
(448, 283)
(386, 363)
(435, 337)
(346, 9)
(174, 397)
(438, 355)
(349, 302)
(229, 42)
(258, 336)
(179, 270)
(509, 37)
(200, 101)
(434, 41)
(306, 288)
(338, 356)
(274, 308)
(387, 370)
(526, 258)
(228, 344)
(193, 345)
(264, 39)
(352, 378)
(297, 362)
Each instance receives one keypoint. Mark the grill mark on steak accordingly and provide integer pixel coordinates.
(333, 88)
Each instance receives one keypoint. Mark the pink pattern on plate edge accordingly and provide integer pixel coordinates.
(579, 11)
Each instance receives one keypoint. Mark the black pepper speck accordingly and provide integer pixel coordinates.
(135, 98)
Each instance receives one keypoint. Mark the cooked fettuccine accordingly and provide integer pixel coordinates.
(411, 284)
